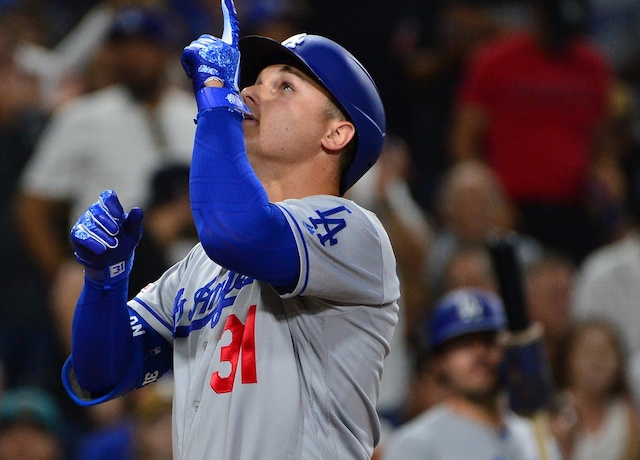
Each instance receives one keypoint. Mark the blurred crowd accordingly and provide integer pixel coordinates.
(505, 117)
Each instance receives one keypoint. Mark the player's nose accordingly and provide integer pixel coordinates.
(250, 96)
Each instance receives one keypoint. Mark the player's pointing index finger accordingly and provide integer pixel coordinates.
(231, 31)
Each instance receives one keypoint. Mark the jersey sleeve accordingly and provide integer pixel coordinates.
(158, 303)
(345, 253)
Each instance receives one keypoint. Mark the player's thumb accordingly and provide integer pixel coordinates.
(132, 225)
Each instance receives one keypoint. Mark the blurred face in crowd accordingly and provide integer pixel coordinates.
(470, 364)
(548, 290)
(594, 360)
(27, 442)
(427, 388)
(139, 64)
(473, 203)
(470, 267)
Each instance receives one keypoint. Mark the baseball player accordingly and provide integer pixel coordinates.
(473, 421)
(277, 323)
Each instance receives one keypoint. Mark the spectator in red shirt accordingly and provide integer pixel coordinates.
(534, 106)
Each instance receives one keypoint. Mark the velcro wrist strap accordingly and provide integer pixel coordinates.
(211, 97)
(111, 274)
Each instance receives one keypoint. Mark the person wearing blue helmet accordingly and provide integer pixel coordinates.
(464, 312)
(467, 335)
(277, 323)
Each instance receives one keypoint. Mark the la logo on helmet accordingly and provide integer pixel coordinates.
(294, 41)
(469, 309)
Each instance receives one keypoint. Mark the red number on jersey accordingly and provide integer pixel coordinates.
(242, 346)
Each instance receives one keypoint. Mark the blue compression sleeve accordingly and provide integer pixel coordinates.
(102, 343)
(237, 225)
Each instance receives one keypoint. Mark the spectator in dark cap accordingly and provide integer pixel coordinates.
(138, 22)
(139, 41)
(118, 136)
(31, 425)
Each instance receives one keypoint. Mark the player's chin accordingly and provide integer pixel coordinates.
(250, 128)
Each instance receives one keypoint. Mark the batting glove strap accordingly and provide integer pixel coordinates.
(109, 275)
(210, 98)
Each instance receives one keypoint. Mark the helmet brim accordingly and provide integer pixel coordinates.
(258, 52)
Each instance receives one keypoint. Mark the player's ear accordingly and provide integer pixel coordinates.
(338, 135)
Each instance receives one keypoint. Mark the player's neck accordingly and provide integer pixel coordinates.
(295, 183)
(280, 190)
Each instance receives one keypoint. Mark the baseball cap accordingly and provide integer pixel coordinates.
(464, 311)
(33, 406)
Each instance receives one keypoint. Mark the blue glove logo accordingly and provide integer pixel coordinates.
(234, 99)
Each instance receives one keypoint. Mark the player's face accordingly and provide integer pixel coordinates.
(289, 115)
(471, 364)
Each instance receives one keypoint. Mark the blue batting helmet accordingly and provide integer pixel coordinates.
(341, 74)
(462, 312)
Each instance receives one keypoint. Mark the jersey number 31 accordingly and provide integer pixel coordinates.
(241, 346)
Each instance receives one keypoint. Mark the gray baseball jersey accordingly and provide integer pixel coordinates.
(442, 434)
(263, 375)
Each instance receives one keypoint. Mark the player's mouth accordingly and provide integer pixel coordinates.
(248, 116)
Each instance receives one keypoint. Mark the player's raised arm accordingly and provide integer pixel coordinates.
(113, 350)
(237, 225)
(104, 240)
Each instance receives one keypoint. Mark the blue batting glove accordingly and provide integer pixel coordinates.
(105, 237)
(210, 58)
